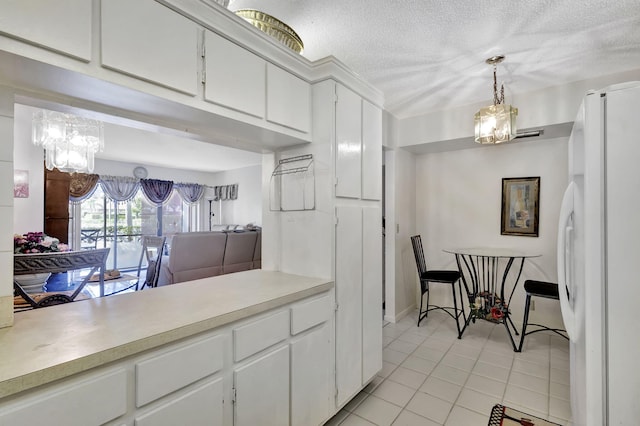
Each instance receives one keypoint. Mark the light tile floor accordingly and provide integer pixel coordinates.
(429, 377)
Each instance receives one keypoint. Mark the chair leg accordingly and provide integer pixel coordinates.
(525, 321)
(427, 307)
(420, 310)
(455, 309)
(426, 310)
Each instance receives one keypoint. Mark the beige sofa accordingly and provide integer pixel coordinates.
(196, 255)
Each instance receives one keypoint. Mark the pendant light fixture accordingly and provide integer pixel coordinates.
(70, 142)
(495, 123)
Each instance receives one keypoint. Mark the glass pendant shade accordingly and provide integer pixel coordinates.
(495, 124)
(70, 142)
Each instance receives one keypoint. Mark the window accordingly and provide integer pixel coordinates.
(101, 222)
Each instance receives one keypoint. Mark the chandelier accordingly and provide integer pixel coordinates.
(70, 142)
(495, 123)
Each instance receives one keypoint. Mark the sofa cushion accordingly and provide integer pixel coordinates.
(194, 255)
(239, 251)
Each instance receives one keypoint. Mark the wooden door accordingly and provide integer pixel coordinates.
(56, 204)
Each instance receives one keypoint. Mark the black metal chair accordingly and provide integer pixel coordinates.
(538, 289)
(437, 276)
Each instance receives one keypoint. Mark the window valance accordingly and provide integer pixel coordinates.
(225, 192)
(82, 186)
(119, 188)
(156, 191)
(124, 188)
(190, 192)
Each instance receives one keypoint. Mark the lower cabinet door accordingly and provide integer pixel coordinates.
(201, 406)
(262, 390)
(311, 369)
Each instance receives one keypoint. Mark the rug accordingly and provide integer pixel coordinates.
(505, 416)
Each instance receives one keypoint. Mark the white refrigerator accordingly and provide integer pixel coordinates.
(599, 258)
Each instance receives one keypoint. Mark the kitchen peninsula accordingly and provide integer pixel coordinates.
(196, 352)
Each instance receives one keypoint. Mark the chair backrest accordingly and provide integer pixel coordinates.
(152, 250)
(421, 263)
(89, 238)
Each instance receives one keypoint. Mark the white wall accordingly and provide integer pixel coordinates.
(6, 206)
(400, 206)
(552, 105)
(248, 207)
(28, 212)
(458, 205)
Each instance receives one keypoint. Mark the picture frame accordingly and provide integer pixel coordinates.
(20, 184)
(520, 206)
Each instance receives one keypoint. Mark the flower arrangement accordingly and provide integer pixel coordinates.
(488, 306)
(37, 242)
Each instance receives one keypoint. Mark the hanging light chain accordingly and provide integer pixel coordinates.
(497, 100)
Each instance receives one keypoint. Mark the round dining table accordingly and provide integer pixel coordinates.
(490, 282)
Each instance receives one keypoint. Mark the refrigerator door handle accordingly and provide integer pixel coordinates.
(564, 251)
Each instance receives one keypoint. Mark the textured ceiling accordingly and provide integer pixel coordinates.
(428, 55)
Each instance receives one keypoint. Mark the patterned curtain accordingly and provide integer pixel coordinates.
(82, 186)
(190, 192)
(157, 191)
(225, 192)
(119, 188)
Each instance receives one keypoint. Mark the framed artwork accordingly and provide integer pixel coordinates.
(520, 206)
(20, 184)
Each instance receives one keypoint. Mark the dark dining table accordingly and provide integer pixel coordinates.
(490, 277)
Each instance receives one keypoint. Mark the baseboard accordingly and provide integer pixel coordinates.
(399, 316)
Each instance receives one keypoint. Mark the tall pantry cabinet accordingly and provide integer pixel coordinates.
(353, 133)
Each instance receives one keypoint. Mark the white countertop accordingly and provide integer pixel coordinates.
(50, 343)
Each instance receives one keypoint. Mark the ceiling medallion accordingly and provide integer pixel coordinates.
(273, 27)
(495, 123)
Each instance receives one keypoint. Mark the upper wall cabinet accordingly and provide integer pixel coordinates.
(371, 151)
(149, 41)
(64, 27)
(348, 143)
(288, 99)
(235, 77)
(358, 146)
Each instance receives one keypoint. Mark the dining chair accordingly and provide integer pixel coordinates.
(427, 276)
(538, 289)
(152, 250)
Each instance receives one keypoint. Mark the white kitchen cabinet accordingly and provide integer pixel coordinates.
(311, 371)
(201, 406)
(371, 151)
(371, 292)
(60, 26)
(312, 361)
(348, 125)
(165, 53)
(162, 374)
(349, 300)
(251, 338)
(92, 400)
(235, 77)
(262, 390)
(359, 298)
(288, 99)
